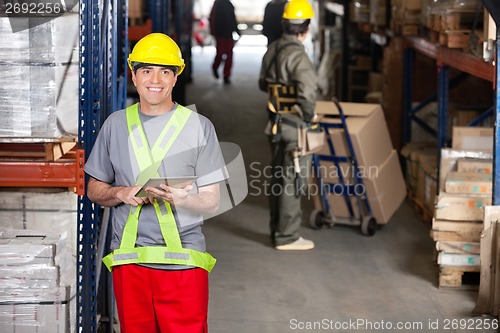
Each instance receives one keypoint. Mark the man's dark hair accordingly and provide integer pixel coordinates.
(137, 65)
(291, 28)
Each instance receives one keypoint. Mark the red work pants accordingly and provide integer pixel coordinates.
(224, 47)
(159, 301)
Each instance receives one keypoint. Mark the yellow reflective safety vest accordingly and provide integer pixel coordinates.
(149, 161)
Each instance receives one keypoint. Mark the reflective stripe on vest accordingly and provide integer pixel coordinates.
(149, 161)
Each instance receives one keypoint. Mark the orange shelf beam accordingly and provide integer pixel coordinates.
(423, 46)
(467, 63)
(45, 174)
(460, 60)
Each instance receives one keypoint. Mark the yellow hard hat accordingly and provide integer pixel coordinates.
(298, 10)
(157, 49)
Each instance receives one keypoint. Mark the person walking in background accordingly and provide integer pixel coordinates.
(272, 25)
(158, 262)
(222, 25)
(287, 68)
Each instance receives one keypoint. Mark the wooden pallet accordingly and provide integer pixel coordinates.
(38, 149)
(455, 39)
(420, 209)
(456, 277)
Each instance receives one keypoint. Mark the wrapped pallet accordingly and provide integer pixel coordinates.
(35, 66)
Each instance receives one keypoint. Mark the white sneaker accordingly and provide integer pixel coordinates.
(300, 244)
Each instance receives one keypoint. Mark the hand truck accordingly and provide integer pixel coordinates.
(325, 215)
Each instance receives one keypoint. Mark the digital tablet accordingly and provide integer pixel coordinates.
(178, 182)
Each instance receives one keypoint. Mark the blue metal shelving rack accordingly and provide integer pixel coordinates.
(446, 58)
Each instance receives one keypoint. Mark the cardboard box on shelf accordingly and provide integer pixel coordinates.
(476, 165)
(461, 207)
(136, 9)
(367, 129)
(472, 138)
(430, 185)
(449, 158)
(469, 183)
(410, 152)
(457, 226)
(427, 167)
(458, 247)
(455, 259)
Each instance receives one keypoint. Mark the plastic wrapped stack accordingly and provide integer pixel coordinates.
(34, 64)
(38, 291)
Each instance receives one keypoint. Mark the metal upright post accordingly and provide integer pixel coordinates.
(442, 133)
(496, 142)
(493, 8)
(159, 13)
(116, 69)
(408, 57)
(345, 51)
(89, 116)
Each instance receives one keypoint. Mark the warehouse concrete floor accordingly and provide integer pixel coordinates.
(349, 282)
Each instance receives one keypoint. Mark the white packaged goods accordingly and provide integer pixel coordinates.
(454, 259)
(29, 247)
(38, 310)
(41, 211)
(34, 66)
(37, 282)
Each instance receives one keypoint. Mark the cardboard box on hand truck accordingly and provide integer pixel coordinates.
(378, 162)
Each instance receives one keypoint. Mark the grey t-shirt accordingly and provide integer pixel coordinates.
(195, 152)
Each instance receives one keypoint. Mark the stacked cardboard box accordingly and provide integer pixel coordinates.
(378, 162)
(420, 159)
(465, 189)
(136, 9)
(406, 16)
(37, 284)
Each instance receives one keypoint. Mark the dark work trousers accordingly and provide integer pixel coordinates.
(224, 48)
(284, 204)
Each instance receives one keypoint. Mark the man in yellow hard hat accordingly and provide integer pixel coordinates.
(159, 261)
(290, 79)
